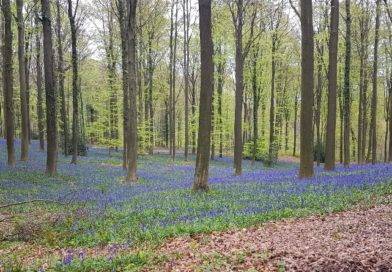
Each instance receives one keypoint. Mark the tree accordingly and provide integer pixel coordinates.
(206, 91)
(8, 82)
(24, 154)
(346, 90)
(307, 84)
(373, 124)
(40, 111)
(238, 17)
(124, 63)
(186, 19)
(61, 77)
(51, 124)
(363, 44)
(75, 88)
(332, 84)
(132, 118)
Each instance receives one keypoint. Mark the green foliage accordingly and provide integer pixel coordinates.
(262, 152)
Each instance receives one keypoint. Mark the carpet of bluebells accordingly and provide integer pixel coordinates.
(102, 209)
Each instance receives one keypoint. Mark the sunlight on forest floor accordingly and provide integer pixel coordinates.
(99, 214)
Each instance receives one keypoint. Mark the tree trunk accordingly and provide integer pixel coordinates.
(8, 82)
(272, 147)
(239, 89)
(186, 19)
(24, 154)
(51, 130)
(150, 113)
(307, 84)
(206, 91)
(332, 84)
(389, 86)
(124, 64)
(75, 91)
(40, 112)
(221, 71)
(61, 78)
(346, 90)
(112, 77)
(374, 79)
(295, 125)
(256, 100)
(132, 137)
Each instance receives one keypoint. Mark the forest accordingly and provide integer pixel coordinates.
(196, 135)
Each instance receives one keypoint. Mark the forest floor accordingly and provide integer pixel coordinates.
(88, 219)
(356, 240)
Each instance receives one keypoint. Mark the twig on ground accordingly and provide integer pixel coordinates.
(30, 201)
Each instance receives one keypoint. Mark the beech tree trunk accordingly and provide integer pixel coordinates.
(307, 85)
(206, 91)
(125, 80)
(61, 78)
(346, 90)
(132, 123)
(186, 20)
(75, 89)
(332, 85)
(24, 154)
(374, 79)
(40, 112)
(239, 88)
(8, 82)
(51, 123)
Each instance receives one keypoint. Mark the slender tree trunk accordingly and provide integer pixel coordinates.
(132, 137)
(221, 71)
(272, 140)
(186, 18)
(61, 78)
(193, 110)
(374, 79)
(112, 77)
(256, 101)
(295, 125)
(124, 64)
(75, 91)
(239, 89)
(150, 94)
(8, 82)
(40, 112)
(332, 85)
(51, 129)
(389, 86)
(206, 92)
(307, 84)
(346, 90)
(24, 154)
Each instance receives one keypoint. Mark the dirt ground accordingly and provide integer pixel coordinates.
(358, 240)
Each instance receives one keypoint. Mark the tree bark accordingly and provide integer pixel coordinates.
(51, 129)
(374, 79)
(132, 137)
(206, 91)
(40, 111)
(24, 154)
(61, 78)
(239, 88)
(75, 89)
(346, 90)
(307, 85)
(186, 19)
(124, 64)
(8, 82)
(332, 85)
